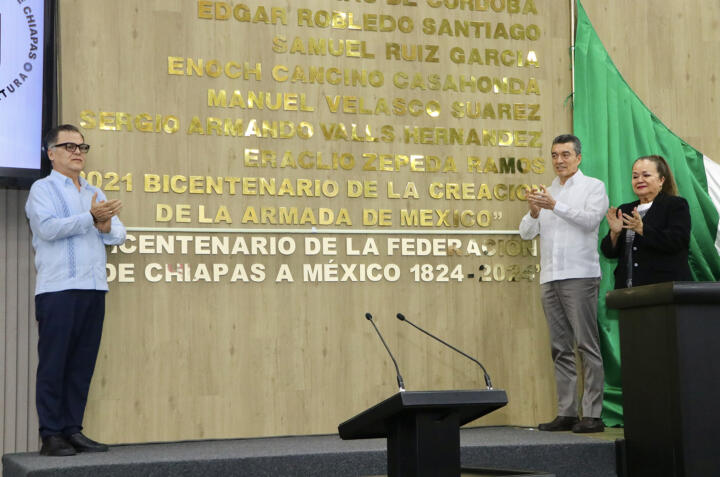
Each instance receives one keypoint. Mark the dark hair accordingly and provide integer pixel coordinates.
(669, 187)
(52, 135)
(566, 138)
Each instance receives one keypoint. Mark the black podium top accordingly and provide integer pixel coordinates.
(665, 294)
(471, 404)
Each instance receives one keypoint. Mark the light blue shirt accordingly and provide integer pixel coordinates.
(69, 250)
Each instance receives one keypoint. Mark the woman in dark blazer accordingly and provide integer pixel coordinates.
(650, 237)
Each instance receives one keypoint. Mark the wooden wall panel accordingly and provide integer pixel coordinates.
(210, 360)
(18, 331)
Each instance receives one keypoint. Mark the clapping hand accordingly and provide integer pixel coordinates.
(618, 220)
(534, 209)
(633, 222)
(615, 220)
(540, 199)
(103, 212)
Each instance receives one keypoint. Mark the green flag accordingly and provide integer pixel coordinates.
(616, 128)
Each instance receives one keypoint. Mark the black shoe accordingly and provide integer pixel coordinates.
(83, 444)
(56, 446)
(588, 425)
(560, 423)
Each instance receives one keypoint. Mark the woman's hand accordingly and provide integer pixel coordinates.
(615, 220)
(633, 222)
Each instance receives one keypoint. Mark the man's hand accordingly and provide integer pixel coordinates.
(104, 227)
(541, 199)
(534, 209)
(103, 212)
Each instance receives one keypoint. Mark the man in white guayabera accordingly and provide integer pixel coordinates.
(567, 217)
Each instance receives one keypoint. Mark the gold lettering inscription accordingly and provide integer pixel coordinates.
(296, 216)
(249, 186)
(322, 47)
(473, 191)
(477, 29)
(444, 218)
(213, 68)
(381, 106)
(462, 83)
(119, 121)
(479, 110)
(508, 165)
(356, 132)
(275, 101)
(525, 7)
(208, 10)
(252, 128)
(494, 57)
(472, 136)
(263, 158)
(332, 75)
(338, 20)
(404, 52)
(403, 162)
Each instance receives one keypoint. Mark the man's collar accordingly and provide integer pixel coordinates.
(570, 180)
(55, 175)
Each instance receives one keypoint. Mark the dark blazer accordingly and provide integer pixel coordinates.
(661, 253)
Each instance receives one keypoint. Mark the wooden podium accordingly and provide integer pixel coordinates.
(670, 351)
(423, 428)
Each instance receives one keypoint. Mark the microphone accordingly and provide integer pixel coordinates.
(401, 384)
(401, 317)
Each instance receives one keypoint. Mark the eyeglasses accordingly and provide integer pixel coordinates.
(72, 147)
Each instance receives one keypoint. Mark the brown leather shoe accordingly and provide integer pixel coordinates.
(560, 423)
(589, 425)
(56, 446)
(83, 444)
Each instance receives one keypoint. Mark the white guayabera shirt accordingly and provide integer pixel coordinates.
(569, 232)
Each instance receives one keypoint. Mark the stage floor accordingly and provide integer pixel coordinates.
(562, 454)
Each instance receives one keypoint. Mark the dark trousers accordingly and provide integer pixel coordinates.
(70, 326)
